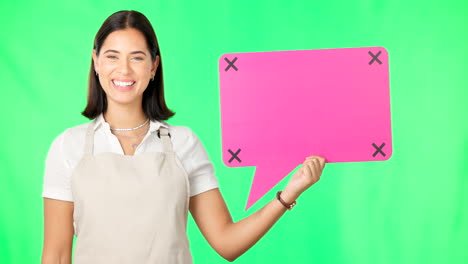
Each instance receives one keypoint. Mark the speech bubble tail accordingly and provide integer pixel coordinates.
(266, 177)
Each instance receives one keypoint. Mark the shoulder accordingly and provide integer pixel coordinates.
(71, 134)
(181, 135)
(76, 134)
(72, 141)
(185, 142)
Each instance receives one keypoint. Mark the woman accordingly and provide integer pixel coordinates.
(124, 182)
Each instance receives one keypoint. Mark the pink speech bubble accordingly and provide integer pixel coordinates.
(279, 107)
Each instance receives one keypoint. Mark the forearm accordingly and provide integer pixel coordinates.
(238, 237)
(64, 259)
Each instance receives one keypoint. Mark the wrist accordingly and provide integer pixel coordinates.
(288, 196)
(288, 200)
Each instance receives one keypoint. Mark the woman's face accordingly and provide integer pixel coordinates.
(124, 66)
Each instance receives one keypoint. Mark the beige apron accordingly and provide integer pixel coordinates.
(130, 209)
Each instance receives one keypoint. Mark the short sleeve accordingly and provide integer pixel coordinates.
(57, 173)
(201, 170)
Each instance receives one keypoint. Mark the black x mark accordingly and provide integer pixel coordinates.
(234, 155)
(374, 57)
(231, 64)
(379, 149)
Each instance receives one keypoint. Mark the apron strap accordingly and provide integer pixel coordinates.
(164, 135)
(89, 140)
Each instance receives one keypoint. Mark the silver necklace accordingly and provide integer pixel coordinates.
(134, 145)
(137, 136)
(130, 129)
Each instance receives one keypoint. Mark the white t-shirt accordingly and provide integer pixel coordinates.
(68, 148)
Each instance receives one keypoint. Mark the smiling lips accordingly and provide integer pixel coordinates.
(123, 85)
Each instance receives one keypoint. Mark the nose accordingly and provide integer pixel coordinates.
(124, 67)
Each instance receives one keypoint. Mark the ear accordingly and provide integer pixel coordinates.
(95, 61)
(155, 65)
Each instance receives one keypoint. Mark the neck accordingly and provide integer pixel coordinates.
(124, 116)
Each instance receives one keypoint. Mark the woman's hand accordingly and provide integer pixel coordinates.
(304, 177)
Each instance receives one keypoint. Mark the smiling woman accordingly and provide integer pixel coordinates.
(124, 183)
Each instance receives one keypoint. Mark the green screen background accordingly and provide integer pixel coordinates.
(409, 209)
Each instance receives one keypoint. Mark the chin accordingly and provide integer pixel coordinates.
(125, 99)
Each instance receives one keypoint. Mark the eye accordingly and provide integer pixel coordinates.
(111, 57)
(139, 58)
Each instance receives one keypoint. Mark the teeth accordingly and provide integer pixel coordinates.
(123, 84)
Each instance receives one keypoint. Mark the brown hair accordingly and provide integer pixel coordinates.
(153, 103)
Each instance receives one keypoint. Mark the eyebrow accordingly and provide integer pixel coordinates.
(133, 52)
